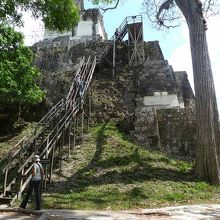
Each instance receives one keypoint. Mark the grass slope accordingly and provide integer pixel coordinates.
(110, 172)
(7, 142)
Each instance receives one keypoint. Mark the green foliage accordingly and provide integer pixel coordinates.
(58, 15)
(20, 132)
(183, 166)
(110, 172)
(17, 76)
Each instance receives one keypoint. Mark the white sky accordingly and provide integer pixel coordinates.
(175, 44)
(180, 58)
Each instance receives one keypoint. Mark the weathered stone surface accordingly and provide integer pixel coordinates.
(153, 51)
(166, 126)
(172, 131)
(95, 15)
(186, 212)
(177, 131)
(146, 128)
(185, 89)
(156, 76)
(114, 98)
(58, 64)
(161, 121)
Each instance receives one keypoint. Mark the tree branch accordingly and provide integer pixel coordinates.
(210, 4)
(110, 8)
(165, 6)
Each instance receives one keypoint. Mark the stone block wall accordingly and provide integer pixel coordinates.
(153, 51)
(161, 121)
(162, 100)
(114, 97)
(59, 61)
(94, 15)
(125, 98)
(156, 76)
(171, 131)
(185, 88)
(177, 131)
(146, 128)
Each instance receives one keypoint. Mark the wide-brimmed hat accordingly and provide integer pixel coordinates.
(36, 158)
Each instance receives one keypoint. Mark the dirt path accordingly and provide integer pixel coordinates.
(17, 216)
(190, 212)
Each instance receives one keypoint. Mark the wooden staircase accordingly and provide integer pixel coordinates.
(45, 139)
(131, 26)
(48, 135)
(116, 38)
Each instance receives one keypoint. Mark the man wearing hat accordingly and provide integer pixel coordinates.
(35, 183)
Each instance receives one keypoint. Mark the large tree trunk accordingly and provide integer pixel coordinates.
(207, 153)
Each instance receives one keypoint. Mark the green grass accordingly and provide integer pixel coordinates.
(8, 142)
(109, 172)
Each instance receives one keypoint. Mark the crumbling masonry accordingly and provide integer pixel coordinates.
(157, 102)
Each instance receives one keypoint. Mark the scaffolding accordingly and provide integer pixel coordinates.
(135, 40)
(132, 27)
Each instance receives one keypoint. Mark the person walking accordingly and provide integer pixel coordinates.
(35, 183)
(81, 88)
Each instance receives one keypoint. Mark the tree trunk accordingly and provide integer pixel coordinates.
(207, 153)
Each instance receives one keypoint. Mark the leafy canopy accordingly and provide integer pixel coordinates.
(17, 76)
(59, 15)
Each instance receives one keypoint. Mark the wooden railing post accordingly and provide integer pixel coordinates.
(56, 136)
(90, 105)
(82, 122)
(51, 162)
(74, 131)
(114, 55)
(46, 165)
(77, 123)
(69, 139)
(22, 171)
(61, 150)
(35, 146)
(6, 176)
(87, 123)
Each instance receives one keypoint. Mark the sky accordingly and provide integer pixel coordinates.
(174, 43)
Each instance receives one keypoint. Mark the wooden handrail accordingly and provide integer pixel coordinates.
(56, 127)
(83, 73)
(85, 70)
(31, 138)
(26, 162)
(90, 74)
(123, 27)
(55, 107)
(59, 129)
(77, 73)
(69, 106)
(14, 155)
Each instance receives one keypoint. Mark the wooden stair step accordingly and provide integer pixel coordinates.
(5, 200)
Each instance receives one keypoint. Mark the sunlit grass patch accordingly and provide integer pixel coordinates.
(110, 172)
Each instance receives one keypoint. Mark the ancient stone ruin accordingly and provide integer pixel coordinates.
(155, 103)
(90, 24)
